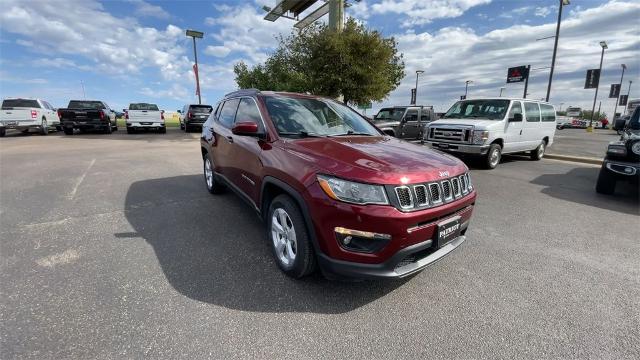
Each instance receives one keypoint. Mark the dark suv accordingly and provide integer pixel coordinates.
(334, 190)
(622, 162)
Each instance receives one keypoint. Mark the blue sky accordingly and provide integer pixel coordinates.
(124, 51)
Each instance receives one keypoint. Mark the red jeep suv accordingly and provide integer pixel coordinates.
(334, 191)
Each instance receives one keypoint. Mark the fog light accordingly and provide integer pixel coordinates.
(628, 170)
(361, 241)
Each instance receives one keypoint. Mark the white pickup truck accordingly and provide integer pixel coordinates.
(144, 116)
(27, 114)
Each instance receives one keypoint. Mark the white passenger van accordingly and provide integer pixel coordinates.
(496, 126)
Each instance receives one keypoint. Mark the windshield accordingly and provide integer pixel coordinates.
(390, 113)
(81, 104)
(315, 117)
(478, 109)
(143, 106)
(19, 103)
(206, 109)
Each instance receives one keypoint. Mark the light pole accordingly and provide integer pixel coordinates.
(604, 46)
(196, 34)
(84, 95)
(628, 93)
(466, 87)
(418, 73)
(555, 45)
(501, 89)
(561, 107)
(615, 108)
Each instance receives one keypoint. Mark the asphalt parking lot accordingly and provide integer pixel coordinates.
(111, 247)
(579, 142)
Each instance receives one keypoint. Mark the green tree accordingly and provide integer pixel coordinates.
(358, 64)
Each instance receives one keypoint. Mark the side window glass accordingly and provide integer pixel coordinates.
(425, 116)
(516, 108)
(228, 113)
(248, 111)
(411, 115)
(532, 111)
(548, 113)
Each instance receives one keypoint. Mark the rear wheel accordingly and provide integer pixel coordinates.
(44, 127)
(68, 131)
(130, 130)
(108, 129)
(493, 156)
(163, 130)
(3, 132)
(538, 153)
(606, 183)
(289, 237)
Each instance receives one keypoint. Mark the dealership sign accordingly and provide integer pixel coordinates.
(623, 100)
(593, 79)
(517, 74)
(614, 92)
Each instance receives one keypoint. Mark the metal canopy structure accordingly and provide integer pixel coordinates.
(311, 18)
(289, 9)
(292, 9)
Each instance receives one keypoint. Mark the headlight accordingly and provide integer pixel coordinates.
(352, 192)
(636, 147)
(480, 136)
(617, 150)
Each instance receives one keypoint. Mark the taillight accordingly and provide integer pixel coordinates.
(161, 116)
(190, 115)
(126, 115)
(34, 114)
(60, 114)
(101, 115)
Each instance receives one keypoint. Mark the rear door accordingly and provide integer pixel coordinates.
(548, 125)
(410, 124)
(531, 133)
(513, 130)
(221, 148)
(245, 165)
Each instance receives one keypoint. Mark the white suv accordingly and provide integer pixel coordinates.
(496, 126)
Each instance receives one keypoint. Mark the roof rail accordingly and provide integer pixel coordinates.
(242, 92)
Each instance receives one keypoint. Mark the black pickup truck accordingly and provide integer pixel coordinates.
(87, 115)
(622, 162)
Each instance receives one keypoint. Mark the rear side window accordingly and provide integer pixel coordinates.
(425, 116)
(228, 112)
(248, 111)
(20, 103)
(532, 111)
(548, 113)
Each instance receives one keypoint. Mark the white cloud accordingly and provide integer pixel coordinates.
(543, 11)
(217, 51)
(359, 10)
(143, 8)
(423, 12)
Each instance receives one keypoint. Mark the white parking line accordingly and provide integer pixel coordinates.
(80, 180)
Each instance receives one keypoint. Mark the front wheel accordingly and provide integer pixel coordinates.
(290, 241)
(606, 183)
(537, 153)
(493, 156)
(213, 185)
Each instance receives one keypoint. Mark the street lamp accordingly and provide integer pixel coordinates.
(561, 107)
(196, 34)
(466, 87)
(555, 45)
(501, 89)
(418, 73)
(615, 108)
(604, 46)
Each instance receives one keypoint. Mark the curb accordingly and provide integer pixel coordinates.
(580, 159)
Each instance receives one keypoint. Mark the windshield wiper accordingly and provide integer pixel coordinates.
(301, 134)
(351, 132)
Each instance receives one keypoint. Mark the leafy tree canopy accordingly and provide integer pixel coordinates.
(358, 64)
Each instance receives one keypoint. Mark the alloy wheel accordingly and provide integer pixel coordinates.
(283, 235)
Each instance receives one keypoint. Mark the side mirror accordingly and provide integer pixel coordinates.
(124, 110)
(246, 128)
(619, 124)
(516, 118)
(112, 110)
(179, 111)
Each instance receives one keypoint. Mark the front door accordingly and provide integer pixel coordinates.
(410, 125)
(513, 130)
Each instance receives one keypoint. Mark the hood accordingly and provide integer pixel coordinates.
(385, 123)
(478, 123)
(375, 159)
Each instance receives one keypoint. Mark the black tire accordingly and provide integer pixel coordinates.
(163, 130)
(187, 129)
(304, 262)
(490, 162)
(115, 128)
(130, 130)
(538, 153)
(3, 132)
(181, 126)
(44, 128)
(606, 183)
(108, 129)
(214, 186)
(68, 131)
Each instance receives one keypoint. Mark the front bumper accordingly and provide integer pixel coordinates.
(459, 148)
(412, 234)
(623, 169)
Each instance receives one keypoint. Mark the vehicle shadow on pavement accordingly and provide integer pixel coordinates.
(579, 186)
(214, 249)
(172, 135)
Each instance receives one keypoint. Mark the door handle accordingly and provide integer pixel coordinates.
(230, 139)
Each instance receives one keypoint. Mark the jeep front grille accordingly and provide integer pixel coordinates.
(420, 196)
